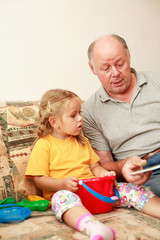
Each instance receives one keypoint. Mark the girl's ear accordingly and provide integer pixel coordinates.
(52, 121)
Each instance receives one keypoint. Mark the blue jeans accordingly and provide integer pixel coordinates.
(154, 181)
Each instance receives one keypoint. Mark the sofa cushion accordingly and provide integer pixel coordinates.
(18, 127)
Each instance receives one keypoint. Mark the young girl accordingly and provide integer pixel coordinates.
(62, 155)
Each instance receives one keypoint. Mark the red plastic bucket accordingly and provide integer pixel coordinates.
(102, 186)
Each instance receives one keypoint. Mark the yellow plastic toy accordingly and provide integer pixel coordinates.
(36, 198)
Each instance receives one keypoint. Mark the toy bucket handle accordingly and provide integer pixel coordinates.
(100, 196)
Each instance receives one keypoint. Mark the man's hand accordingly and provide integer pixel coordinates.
(132, 164)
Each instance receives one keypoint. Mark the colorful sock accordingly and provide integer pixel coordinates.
(88, 225)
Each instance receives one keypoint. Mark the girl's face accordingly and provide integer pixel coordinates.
(70, 121)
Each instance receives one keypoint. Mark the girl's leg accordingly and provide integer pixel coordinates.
(140, 197)
(68, 206)
(80, 219)
(152, 207)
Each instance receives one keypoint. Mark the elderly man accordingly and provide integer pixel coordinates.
(122, 118)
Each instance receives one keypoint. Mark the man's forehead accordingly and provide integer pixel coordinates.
(108, 60)
(109, 52)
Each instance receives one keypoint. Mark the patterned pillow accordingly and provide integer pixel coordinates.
(18, 127)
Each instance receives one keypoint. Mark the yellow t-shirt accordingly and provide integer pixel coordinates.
(60, 159)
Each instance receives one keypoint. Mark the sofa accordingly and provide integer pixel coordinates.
(18, 126)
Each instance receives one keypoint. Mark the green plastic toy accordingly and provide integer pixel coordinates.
(39, 205)
(7, 201)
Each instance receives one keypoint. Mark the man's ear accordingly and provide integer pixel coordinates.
(129, 56)
(52, 121)
(92, 68)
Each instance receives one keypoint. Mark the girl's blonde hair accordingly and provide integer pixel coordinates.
(53, 103)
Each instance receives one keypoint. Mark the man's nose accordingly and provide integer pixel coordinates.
(115, 71)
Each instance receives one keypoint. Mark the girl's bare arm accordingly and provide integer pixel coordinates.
(53, 184)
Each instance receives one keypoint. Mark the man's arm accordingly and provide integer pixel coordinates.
(124, 167)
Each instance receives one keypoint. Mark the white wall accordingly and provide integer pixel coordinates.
(43, 43)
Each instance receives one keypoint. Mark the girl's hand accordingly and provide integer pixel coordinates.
(70, 184)
(99, 171)
(110, 173)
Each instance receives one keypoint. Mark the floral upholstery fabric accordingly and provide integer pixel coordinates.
(18, 126)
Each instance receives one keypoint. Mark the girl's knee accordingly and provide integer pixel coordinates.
(62, 201)
(134, 195)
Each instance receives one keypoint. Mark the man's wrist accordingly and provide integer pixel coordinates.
(120, 165)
